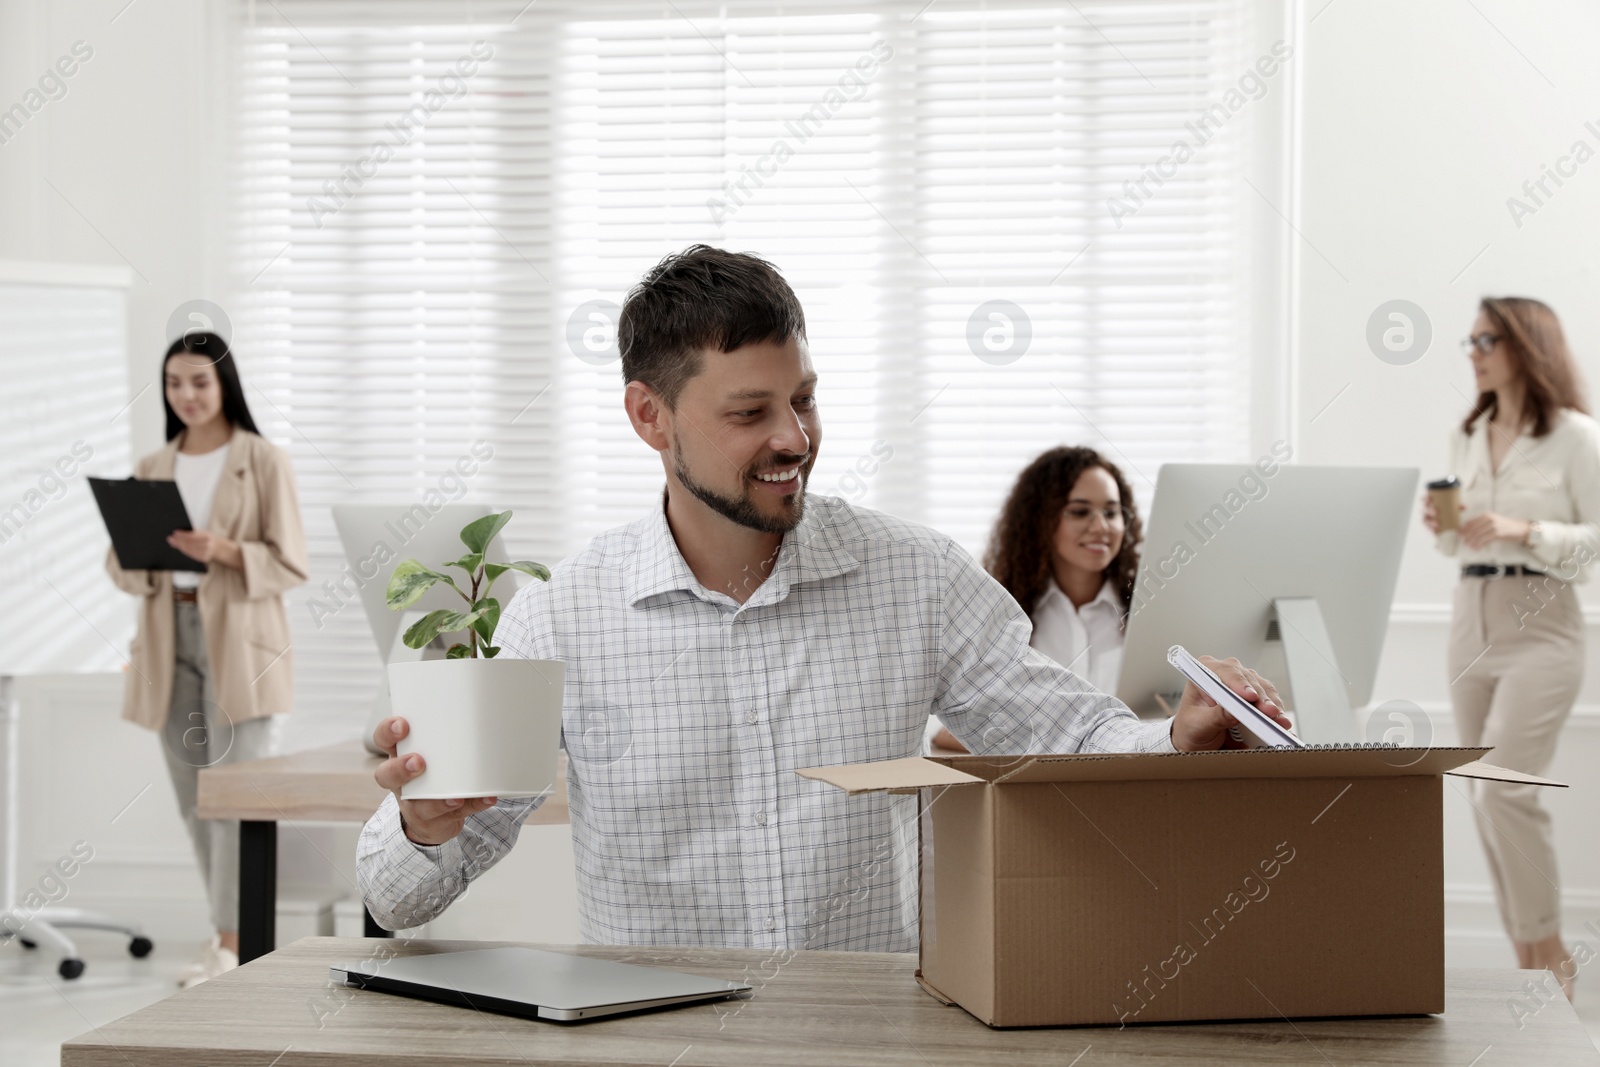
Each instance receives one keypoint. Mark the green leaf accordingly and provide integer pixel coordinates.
(458, 620)
(459, 652)
(491, 651)
(425, 629)
(438, 622)
(409, 581)
(488, 610)
(469, 563)
(477, 534)
(526, 566)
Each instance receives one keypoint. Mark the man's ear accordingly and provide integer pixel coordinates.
(651, 418)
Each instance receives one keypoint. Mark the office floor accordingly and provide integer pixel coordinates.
(38, 1010)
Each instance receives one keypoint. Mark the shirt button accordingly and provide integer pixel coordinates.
(753, 718)
(771, 924)
(761, 820)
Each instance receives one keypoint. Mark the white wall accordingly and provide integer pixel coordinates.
(1417, 121)
(128, 167)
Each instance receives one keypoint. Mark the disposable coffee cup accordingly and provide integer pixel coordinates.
(1446, 496)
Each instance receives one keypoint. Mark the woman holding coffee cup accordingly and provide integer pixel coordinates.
(1526, 527)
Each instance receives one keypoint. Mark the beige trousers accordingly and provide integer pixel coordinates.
(1516, 661)
(200, 734)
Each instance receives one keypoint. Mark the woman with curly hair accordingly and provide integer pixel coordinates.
(1067, 550)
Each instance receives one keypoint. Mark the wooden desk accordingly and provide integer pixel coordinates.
(818, 1008)
(332, 784)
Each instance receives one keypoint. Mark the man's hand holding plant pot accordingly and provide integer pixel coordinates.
(433, 822)
(425, 822)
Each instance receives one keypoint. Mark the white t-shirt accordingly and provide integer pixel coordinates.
(197, 477)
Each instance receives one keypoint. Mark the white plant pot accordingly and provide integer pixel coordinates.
(484, 727)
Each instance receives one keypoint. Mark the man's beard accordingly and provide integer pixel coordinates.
(744, 511)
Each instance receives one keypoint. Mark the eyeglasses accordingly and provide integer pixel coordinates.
(1483, 342)
(1084, 515)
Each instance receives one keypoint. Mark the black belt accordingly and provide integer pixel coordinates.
(1498, 570)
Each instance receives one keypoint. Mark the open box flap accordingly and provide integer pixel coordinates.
(1489, 772)
(910, 775)
(1354, 762)
(889, 776)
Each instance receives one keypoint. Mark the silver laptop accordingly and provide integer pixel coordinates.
(534, 984)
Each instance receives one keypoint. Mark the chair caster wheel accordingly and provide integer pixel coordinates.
(140, 947)
(26, 943)
(70, 968)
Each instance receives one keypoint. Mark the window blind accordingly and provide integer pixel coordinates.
(961, 195)
(63, 354)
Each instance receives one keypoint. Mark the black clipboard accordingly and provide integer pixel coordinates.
(140, 515)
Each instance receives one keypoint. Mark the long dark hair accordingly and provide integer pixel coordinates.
(1539, 354)
(212, 347)
(1021, 548)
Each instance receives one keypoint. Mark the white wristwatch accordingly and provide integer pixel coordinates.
(1534, 535)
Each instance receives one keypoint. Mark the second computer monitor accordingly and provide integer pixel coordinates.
(1274, 564)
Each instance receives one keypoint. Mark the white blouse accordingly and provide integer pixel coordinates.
(1087, 640)
(1554, 479)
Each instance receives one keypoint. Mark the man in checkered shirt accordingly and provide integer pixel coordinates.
(737, 633)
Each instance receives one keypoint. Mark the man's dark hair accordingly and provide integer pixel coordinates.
(697, 299)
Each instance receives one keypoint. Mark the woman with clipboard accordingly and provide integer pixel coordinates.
(211, 662)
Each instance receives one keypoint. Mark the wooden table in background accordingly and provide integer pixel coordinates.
(332, 784)
(818, 1008)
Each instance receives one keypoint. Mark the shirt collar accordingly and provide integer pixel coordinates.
(1106, 596)
(811, 552)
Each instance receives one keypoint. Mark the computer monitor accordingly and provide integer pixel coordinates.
(1292, 572)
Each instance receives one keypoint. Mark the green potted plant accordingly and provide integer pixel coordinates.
(486, 726)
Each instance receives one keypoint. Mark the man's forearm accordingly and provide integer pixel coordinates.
(405, 884)
(1125, 733)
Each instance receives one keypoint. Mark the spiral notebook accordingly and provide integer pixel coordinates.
(1259, 730)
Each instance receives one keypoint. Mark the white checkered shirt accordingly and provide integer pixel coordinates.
(686, 715)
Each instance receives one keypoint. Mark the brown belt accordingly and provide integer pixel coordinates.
(186, 596)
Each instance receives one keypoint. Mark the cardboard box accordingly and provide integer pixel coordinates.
(1241, 884)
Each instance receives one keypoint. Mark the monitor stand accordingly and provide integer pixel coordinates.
(1323, 714)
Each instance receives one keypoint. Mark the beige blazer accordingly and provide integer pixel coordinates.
(246, 627)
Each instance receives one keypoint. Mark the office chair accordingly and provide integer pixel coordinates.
(41, 927)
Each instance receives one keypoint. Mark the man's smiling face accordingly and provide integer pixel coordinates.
(745, 432)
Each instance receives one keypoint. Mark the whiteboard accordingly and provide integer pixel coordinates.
(64, 401)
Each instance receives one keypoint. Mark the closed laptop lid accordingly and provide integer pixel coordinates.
(568, 986)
